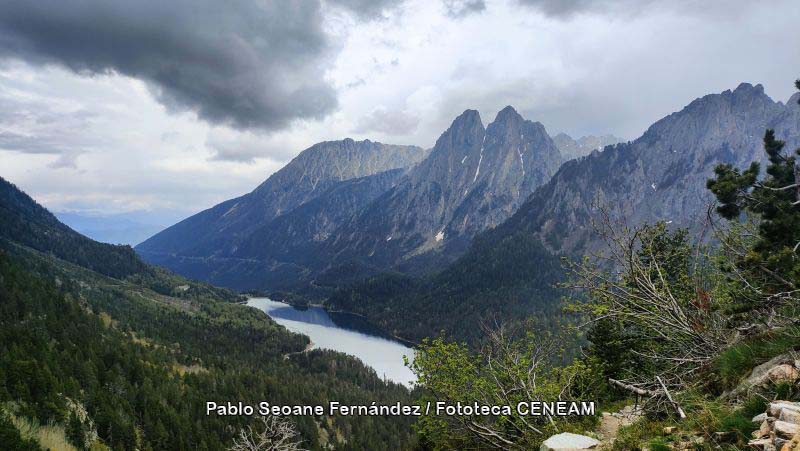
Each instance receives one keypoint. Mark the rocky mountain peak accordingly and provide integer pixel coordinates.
(508, 114)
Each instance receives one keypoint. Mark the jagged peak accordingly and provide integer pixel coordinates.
(794, 99)
(465, 121)
(508, 113)
(747, 88)
(468, 116)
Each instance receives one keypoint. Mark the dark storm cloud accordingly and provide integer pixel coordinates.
(247, 64)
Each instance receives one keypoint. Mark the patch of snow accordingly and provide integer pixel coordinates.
(480, 160)
(464, 159)
(231, 210)
(439, 236)
(521, 162)
(389, 238)
(653, 185)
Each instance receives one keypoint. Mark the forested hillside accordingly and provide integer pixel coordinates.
(129, 362)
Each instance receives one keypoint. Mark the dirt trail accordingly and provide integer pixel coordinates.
(610, 423)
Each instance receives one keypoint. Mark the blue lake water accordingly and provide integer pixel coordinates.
(344, 333)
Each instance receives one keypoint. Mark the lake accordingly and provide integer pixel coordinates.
(345, 333)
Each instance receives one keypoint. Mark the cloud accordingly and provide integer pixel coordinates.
(389, 122)
(66, 160)
(367, 9)
(462, 8)
(247, 147)
(564, 9)
(247, 64)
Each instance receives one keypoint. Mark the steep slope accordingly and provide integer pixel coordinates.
(473, 179)
(24, 221)
(311, 173)
(660, 176)
(278, 254)
(129, 363)
(575, 148)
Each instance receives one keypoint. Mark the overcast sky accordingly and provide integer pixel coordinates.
(172, 106)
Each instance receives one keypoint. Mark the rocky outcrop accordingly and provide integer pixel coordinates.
(778, 427)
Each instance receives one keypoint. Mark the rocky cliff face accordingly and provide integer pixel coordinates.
(575, 148)
(661, 175)
(315, 170)
(473, 179)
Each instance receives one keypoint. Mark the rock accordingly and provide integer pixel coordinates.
(786, 429)
(783, 373)
(792, 445)
(763, 443)
(778, 369)
(763, 430)
(790, 416)
(567, 441)
(760, 418)
(669, 429)
(775, 407)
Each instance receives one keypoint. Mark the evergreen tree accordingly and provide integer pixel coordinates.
(774, 200)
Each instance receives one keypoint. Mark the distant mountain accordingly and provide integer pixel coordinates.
(123, 228)
(660, 176)
(571, 148)
(226, 243)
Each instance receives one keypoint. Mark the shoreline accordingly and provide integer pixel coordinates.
(383, 333)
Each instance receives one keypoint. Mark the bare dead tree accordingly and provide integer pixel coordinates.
(630, 284)
(274, 434)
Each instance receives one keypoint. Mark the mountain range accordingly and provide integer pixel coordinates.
(509, 272)
(411, 211)
(483, 199)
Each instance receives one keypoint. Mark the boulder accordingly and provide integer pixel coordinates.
(786, 429)
(790, 416)
(778, 369)
(760, 418)
(567, 441)
(776, 407)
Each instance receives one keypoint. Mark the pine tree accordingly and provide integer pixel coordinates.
(774, 200)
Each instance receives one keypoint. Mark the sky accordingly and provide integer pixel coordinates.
(167, 108)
